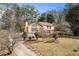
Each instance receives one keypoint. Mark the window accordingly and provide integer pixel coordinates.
(34, 29)
(49, 27)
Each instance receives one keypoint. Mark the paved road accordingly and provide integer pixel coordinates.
(22, 50)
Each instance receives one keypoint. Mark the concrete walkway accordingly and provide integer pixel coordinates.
(22, 50)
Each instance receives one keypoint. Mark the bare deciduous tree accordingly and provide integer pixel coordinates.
(6, 45)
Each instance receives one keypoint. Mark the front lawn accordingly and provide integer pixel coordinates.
(64, 46)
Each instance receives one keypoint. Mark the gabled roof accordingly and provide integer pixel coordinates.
(45, 24)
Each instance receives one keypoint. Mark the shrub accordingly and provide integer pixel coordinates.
(24, 35)
(36, 34)
(55, 35)
(41, 34)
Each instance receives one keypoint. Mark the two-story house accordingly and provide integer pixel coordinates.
(39, 26)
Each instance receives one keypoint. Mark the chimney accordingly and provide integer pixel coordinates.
(26, 27)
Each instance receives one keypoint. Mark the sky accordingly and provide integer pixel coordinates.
(43, 7)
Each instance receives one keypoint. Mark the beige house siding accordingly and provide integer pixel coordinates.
(48, 29)
(34, 28)
(39, 27)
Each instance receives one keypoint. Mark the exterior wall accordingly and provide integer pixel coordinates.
(49, 29)
(29, 29)
(34, 28)
(52, 28)
(44, 27)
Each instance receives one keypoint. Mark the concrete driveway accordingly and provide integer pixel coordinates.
(22, 50)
